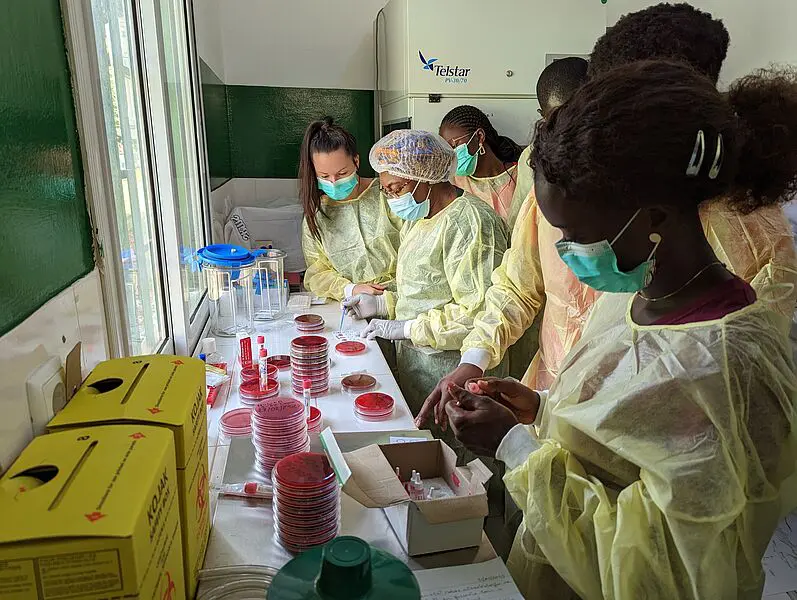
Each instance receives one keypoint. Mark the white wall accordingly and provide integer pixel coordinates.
(299, 43)
(207, 23)
(74, 315)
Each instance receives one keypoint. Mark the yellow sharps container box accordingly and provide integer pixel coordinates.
(165, 391)
(92, 514)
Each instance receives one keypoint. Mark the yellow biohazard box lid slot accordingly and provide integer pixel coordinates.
(82, 483)
(158, 390)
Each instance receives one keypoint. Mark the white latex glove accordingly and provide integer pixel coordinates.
(365, 306)
(389, 330)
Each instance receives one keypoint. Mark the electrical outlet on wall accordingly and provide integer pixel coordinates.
(46, 393)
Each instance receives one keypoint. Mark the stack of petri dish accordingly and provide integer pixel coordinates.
(309, 323)
(236, 423)
(306, 501)
(357, 384)
(252, 392)
(373, 406)
(279, 429)
(281, 361)
(351, 348)
(310, 361)
(314, 420)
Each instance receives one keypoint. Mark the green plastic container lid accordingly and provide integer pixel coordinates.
(346, 568)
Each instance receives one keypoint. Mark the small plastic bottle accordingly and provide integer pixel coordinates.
(262, 366)
(307, 396)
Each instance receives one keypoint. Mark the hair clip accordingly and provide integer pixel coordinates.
(696, 162)
(718, 159)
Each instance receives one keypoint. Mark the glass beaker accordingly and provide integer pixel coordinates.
(269, 285)
(230, 272)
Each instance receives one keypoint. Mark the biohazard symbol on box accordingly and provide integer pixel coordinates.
(202, 493)
(137, 436)
(168, 593)
(95, 516)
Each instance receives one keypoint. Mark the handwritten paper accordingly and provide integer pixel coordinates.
(483, 581)
(780, 559)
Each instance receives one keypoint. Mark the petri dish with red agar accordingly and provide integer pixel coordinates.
(357, 384)
(281, 361)
(351, 348)
(236, 423)
(252, 392)
(373, 406)
(309, 323)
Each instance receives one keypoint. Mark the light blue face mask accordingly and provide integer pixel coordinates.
(340, 189)
(466, 162)
(405, 206)
(596, 264)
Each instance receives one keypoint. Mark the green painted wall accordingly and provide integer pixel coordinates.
(45, 239)
(217, 126)
(265, 125)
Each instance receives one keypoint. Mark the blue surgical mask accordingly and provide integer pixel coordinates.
(340, 189)
(596, 264)
(405, 206)
(466, 162)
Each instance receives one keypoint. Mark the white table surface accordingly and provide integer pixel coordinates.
(242, 531)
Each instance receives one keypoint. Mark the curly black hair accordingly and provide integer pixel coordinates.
(470, 119)
(627, 137)
(665, 31)
(559, 80)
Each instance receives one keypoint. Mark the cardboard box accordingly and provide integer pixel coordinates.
(166, 391)
(92, 514)
(422, 526)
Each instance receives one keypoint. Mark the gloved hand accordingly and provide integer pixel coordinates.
(389, 330)
(365, 306)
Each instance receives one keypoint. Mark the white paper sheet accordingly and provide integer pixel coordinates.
(780, 559)
(483, 581)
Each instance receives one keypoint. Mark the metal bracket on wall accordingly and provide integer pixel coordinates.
(435, 98)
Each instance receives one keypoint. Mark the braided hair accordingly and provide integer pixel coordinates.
(469, 118)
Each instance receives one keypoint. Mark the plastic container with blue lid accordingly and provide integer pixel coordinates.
(229, 271)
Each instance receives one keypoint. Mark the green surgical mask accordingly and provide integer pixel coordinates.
(466, 162)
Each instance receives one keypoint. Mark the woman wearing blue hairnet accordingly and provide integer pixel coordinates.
(654, 466)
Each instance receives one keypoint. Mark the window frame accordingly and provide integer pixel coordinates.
(183, 331)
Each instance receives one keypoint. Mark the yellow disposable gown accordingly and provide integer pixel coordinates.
(757, 247)
(359, 244)
(662, 453)
(525, 181)
(496, 191)
(444, 269)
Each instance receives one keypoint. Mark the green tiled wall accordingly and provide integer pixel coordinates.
(263, 130)
(217, 126)
(45, 237)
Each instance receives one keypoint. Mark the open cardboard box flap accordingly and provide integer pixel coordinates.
(369, 476)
